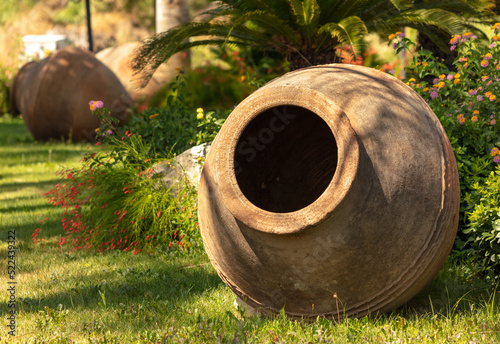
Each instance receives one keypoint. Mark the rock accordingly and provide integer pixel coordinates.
(186, 166)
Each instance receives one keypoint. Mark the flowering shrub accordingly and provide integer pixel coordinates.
(113, 201)
(175, 127)
(465, 101)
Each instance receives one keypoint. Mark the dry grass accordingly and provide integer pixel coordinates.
(109, 28)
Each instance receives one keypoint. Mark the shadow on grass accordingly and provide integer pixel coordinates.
(17, 186)
(40, 153)
(451, 292)
(136, 295)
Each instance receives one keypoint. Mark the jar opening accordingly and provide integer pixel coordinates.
(285, 159)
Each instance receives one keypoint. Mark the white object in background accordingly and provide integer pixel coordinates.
(39, 46)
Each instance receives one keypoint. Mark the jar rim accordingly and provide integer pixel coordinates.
(348, 155)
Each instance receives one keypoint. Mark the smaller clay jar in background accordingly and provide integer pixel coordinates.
(331, 191)
(53, 95)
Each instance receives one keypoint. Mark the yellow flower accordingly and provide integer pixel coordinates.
(418, 63)
(475, 112)
(96, 130)
(461, 120)
(411, 80)
(487, 94)
(242, 78)
(199, 110)
(440, 84)
(442, 76)
(425, 64)
(153, 116)
(391, 36)
(456, 81)
(493, 97)
(425, 89)
(457, 76)
(474, 119)
(199, 115)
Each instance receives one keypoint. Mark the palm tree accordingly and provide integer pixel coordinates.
(307, 32)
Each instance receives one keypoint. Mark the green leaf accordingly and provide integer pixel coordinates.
(350, 31)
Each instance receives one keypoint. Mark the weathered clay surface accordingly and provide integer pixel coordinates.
(53, 94)
(331, 186)
(119, 60)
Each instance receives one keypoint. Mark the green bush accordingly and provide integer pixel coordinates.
(9, 9)
(113, 200)
(229, 77)
(6, 78)
(465, 101)
(484, 225)
(176, 126)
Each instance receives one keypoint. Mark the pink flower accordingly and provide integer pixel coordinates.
(453, 47)
(479, 98)
(95, 104)
(484, 63)
(493, 122)
(497, 159)
(434, 94)
(449, 77)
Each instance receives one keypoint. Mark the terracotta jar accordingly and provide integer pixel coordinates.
(331, 191)
(53, 95)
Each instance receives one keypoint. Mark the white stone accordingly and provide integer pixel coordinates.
(185, 166)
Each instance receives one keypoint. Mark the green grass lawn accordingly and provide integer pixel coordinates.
(65, 296)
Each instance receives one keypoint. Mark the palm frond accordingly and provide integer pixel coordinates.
(304, 11)
(350, 30)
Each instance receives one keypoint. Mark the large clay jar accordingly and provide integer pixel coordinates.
(119, 60)
(53, 95)
(330, 191)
